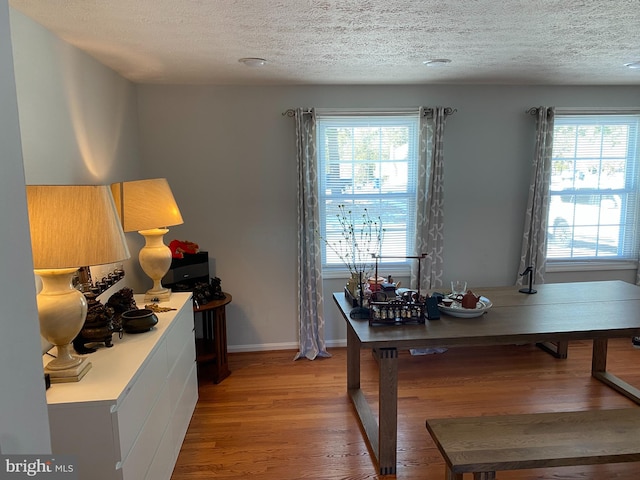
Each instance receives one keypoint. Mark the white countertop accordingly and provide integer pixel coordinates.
(113, 369)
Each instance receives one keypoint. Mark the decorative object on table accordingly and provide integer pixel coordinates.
(351, 290)
(98, 326)
(138, 321)
(71, 226)
(360, 311)
(452, 305)
(396, 312)
(386, 286)
(352, 284)
(458, 287)
(204, 292)
(375, 283)
(148, 207)
(180, 247)
(431, 308)
(530, 289)
(82, 279)
(155, 308)
(121, 301)
(410, 308)
(216, 289)
(185, 272)
(359, 240)
(86, 283)
(469, 300)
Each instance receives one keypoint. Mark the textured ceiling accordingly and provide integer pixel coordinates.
(577, 42)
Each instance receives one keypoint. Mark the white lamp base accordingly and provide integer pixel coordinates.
(155, 260)
(62, 311)
(161, 295)
(73, 374)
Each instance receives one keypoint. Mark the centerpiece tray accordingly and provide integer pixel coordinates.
(456, 309)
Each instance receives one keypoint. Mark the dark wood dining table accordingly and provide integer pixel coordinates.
(556, 314)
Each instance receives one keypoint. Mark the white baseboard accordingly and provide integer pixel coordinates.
(262, 347)
(265, 347)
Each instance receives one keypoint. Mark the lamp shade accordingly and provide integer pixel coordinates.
(74, 226)
(146, 204)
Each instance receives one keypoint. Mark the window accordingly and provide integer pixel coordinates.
(368, 162)
(593, 209)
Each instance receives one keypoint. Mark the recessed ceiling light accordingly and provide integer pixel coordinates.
(253, 62)
(436, 62)
(633, 64)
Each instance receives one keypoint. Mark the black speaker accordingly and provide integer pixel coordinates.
(185, 272)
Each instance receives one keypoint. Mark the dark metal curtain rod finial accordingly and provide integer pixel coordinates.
(428, 112)
(534, 111)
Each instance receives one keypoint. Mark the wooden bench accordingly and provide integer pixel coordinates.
(484, 445)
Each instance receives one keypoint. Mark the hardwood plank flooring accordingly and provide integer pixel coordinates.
(274, 418)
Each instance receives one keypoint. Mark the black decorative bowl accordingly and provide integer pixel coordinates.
(138, 321)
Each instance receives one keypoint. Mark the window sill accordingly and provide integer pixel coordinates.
(395, 270)
(590, 265)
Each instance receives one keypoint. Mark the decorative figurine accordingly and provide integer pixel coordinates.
(98, 326)
(216, 289)
(121, 301)
(203, 292)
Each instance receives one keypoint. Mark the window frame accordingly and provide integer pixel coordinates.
(632, 188)
(409, 118)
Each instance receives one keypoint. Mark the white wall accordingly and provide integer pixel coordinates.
(24, 425)
(230, 158)
(77, 122)
(78, 118)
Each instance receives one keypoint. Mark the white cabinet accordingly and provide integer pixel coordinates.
(127, 418)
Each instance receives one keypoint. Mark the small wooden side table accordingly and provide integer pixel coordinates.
(211, 349)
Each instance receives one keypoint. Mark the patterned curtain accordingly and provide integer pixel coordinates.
(429, 219)
(534, 241)
(310, 304)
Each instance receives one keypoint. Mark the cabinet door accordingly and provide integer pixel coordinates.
(89, 432)
(144, 449)
(140, 398)
(181, 333)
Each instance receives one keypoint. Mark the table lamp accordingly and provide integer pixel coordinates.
(71, 226)
(148, 207)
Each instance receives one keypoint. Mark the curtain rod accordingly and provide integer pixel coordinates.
(447, 111)
(291, 112)
(534, 110)
(589, 110)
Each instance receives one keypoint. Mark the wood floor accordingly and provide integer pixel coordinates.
(274, 418)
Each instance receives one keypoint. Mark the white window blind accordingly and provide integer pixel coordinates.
(368, 161)
(593, 210)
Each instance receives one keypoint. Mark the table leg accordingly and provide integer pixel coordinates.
(220, 333)
(353, 360)
(363, 410)
(557, 349)
(388, 409)
(484, 476)
(599, 371)
(599, 356)
(449, 475)
(214, 344)
(381, 435)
